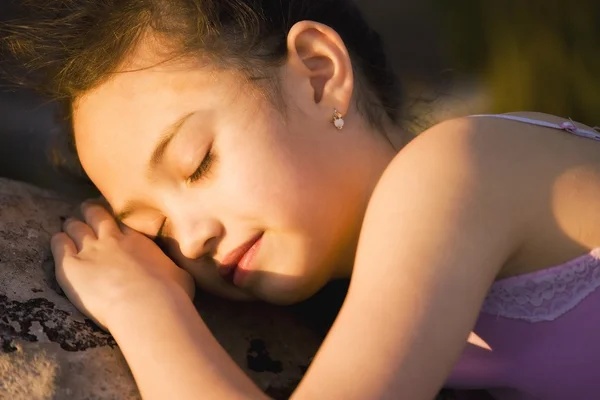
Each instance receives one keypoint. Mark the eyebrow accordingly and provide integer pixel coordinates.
(165, 139)
(155, 159)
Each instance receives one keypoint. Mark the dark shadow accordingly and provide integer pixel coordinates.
(321, 310)
(32, 134)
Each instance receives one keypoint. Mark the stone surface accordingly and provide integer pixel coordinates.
(48, 350)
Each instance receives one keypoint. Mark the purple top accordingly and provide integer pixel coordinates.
(542, 329)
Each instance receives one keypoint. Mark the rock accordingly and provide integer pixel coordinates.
(48, 350)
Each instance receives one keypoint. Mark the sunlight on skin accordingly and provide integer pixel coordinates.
(476, 340)
(569, 189)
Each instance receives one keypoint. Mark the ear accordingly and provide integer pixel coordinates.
(317, 53)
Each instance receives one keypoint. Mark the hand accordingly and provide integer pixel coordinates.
(102, 266)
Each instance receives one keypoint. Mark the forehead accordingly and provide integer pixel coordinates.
(139, 99)
(118, 123)
(148, 90)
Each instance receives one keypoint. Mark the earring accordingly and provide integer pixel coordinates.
(338, 121)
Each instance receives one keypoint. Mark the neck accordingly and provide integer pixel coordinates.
(398, 137)
(376, 156)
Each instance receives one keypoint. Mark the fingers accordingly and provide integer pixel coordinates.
(78, 232)
(62, 246)
(99, 219)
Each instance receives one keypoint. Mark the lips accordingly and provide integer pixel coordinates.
(239, 259)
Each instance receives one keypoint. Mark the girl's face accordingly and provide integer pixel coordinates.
(227, 180)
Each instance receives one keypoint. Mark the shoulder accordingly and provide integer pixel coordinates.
(462, 141)
(460, 173)
(473, 156)
(486, 136)
(493, 156)
(435, 235)
(455, 186)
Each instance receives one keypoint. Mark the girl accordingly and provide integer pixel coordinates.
(253, 140)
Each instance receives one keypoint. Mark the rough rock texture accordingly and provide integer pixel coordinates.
(50, 351)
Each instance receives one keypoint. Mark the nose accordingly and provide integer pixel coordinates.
(197, 237)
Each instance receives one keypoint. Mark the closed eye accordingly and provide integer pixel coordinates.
(160, 238)
(161, 230)
(203, 168)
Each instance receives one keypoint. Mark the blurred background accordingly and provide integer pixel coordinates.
(453, 58)
(494, 56)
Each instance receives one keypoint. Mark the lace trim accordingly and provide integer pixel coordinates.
(547, 294)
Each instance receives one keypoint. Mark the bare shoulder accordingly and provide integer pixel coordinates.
(512, 172)
(466, 181)
(499, 147)
(486, 131)
(443, 192)
(425, 260)
(473, 150)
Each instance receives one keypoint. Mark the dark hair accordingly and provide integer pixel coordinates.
(68, 47)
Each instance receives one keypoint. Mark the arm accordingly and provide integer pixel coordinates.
(173, 354)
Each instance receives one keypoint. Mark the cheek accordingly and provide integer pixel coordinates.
(282, 189)
(279, 176)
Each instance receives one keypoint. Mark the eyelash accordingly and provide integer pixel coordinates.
(159, 238)
(161, 230)
(200, 173)
(203, 168)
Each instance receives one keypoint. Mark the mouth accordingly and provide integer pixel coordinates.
(237, 265)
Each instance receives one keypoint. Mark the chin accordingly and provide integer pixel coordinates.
(286, 291)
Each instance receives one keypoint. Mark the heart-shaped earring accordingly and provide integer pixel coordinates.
(338, 121)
